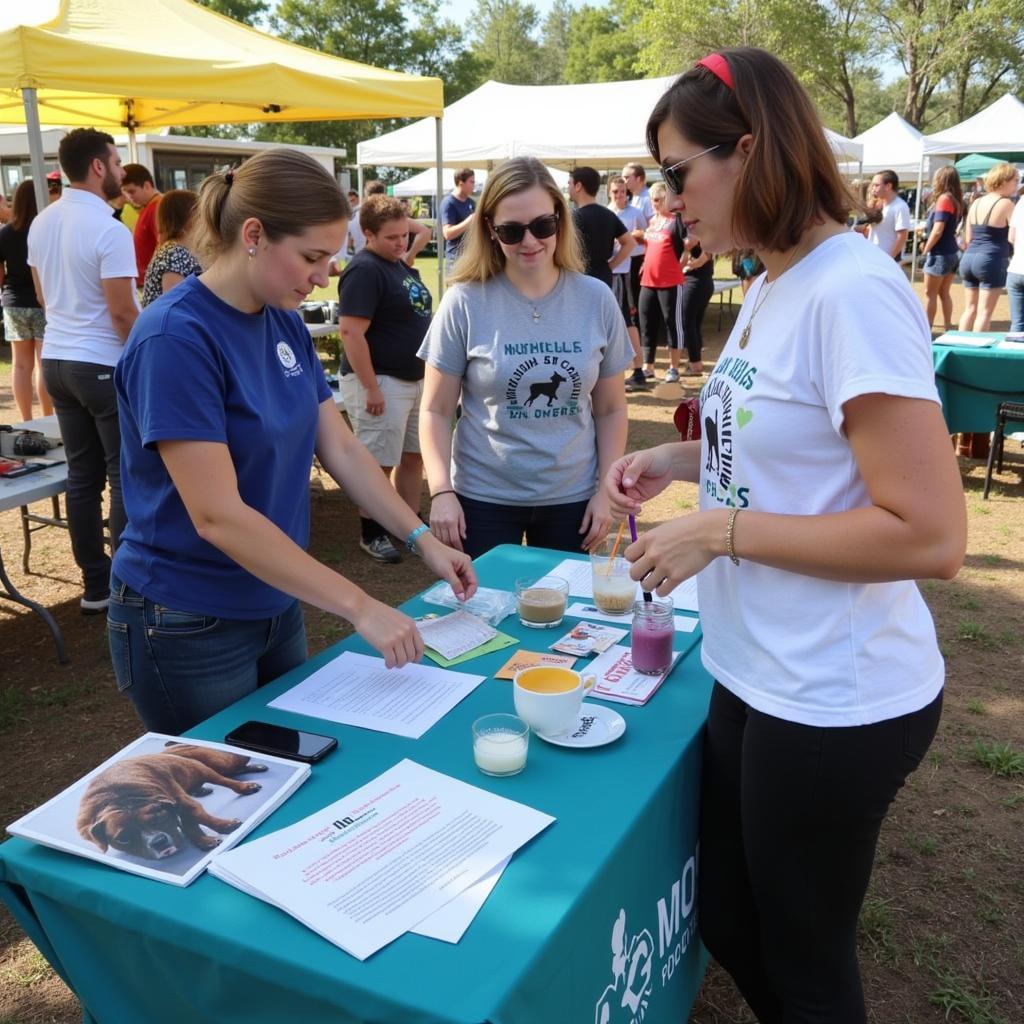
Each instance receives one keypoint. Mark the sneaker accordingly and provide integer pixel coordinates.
(381, 549)
(94, 605)
(648, 375)
(636, 381)
(671, 375)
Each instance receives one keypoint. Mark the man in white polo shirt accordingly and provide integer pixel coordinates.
(890, 233)
(83, 264)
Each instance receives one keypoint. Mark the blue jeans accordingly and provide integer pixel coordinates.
(179, 668)
(545, 526)
(1015, 289)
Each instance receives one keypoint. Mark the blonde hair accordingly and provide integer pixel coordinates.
(659, 189)
(999, 175)
(285, 190)
(481, 257)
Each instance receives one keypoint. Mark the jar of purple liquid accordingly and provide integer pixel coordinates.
(653, 632)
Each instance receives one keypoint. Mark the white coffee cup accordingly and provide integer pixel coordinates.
(548, 698)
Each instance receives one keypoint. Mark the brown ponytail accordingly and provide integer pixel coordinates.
(285, 190)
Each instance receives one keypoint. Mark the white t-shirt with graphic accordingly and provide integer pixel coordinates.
(895, 217)
(526, 435)
(841, 323)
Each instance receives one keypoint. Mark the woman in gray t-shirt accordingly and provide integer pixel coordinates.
(535, 351)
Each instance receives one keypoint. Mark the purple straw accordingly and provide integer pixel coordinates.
(632, 534)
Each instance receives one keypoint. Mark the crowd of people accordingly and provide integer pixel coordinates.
(203, 413)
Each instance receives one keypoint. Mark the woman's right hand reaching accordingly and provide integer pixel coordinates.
(637, 477)
(390, 632)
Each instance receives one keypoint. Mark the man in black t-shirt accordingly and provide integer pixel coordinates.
(384, 315)
(598, 227)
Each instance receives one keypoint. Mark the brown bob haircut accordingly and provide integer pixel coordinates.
(285, 190)
(174, 214)
(790, 180)
(377, 210)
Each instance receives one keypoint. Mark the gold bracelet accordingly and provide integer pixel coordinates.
(730, 528)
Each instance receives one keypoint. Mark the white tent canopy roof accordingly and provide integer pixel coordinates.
(892, 144)
(600, 124)
(425, 183)
(999, 128)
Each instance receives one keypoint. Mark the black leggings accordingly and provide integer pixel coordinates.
(790, 815)
(697, 292)
(661, 317)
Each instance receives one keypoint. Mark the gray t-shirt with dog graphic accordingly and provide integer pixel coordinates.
(526, 435)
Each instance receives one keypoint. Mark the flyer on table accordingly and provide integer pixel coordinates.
(371, 866)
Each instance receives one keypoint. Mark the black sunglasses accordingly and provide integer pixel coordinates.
(540, 227)
(676, 179)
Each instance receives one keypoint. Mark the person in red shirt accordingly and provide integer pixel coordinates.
(141, 192)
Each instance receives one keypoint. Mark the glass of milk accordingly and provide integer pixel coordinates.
(500, 744)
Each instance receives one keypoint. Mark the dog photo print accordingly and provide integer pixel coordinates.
(163, 807)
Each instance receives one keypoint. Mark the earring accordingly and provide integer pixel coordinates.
(252, 252)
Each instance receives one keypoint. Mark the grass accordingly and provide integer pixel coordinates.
(976, 707)
(974, 632)
(998, 758)
(956, 994)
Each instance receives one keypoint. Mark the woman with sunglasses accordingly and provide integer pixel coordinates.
(827, 486)
(535, 351)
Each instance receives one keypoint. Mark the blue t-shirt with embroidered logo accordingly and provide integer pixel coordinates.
(196, 369)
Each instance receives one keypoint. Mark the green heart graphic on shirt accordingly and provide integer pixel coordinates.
(743, 416)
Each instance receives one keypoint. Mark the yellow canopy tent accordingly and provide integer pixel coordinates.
(131, 64)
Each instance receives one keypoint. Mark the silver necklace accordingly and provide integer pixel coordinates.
(762, 297)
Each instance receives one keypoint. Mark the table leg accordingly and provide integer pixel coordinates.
(11, 593)
(27, 535)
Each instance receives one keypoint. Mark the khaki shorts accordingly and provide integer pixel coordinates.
(394, 432)
(23, 323)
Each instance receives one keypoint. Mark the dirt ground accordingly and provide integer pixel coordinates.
(940, 934)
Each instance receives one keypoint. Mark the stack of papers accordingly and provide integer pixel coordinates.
(387, 858)
(619, 682)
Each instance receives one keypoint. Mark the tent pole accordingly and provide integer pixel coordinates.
(130, 123)
(439, 185)
(917, 215)
(30, 102)
(359, 181)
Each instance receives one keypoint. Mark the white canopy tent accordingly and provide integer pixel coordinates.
(999, 128)
(892, 144)
(599, 124)
(425, 182)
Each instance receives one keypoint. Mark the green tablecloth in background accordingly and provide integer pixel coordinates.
(615, 874)
(972, 382)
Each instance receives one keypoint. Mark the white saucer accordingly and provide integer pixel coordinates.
(595, 726)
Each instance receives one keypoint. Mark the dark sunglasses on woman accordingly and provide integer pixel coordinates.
(512, 233)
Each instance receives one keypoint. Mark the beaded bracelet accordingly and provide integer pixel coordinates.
(729, 529)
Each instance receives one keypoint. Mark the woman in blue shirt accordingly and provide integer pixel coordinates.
(223, 404)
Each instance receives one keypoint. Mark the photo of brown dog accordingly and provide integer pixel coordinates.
(146, 806)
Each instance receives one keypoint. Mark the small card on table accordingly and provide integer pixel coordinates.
(528, 659)
(587, 638)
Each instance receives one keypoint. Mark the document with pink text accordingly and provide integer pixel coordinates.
(373, 865)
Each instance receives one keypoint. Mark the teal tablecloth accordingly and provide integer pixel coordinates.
(972, 382)
(595, 920)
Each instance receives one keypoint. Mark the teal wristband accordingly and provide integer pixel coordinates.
(410, 541)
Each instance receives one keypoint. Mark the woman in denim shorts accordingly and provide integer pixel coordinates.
(941, 249)
(23, 316)
(983, 267)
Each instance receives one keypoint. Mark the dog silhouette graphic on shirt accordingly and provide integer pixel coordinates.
(549, 388)
(711, 433)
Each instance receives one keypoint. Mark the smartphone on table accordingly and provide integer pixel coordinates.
(282, 741)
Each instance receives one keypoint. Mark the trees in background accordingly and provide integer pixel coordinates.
(933, 61)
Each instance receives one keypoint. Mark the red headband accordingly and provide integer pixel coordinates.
(715, 63)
